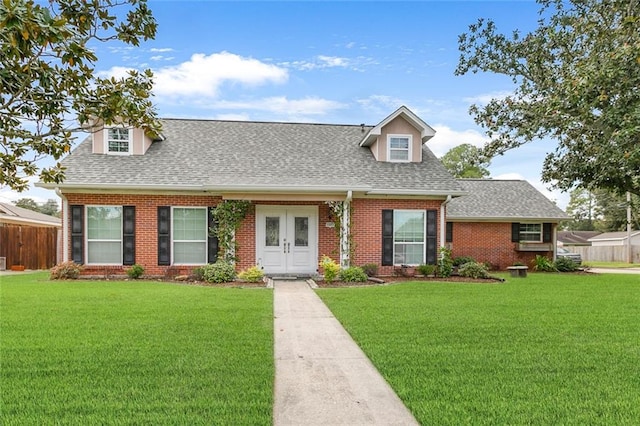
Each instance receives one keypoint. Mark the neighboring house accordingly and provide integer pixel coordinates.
(27, 238)
(502, 222)
(576, 238)
(615, 239)
(129, 199)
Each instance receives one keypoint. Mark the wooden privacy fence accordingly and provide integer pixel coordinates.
(30, 246)
(607, 253)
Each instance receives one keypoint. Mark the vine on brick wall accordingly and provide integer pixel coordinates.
(337, 209)
(228, 216)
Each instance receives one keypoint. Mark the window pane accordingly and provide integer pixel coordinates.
(104, 223)
(189, 224)
(103, 252)
(402, 143)
(272, 237)
(118, 139)
(190, 253)
(531, 232)
(398, 155)
(302, 231)
(118, 134)
(408, 226)
(410, 254)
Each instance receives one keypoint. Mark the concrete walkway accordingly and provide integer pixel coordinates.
(322, 376)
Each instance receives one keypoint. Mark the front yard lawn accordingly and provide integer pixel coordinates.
(547, 349)
(96, 352)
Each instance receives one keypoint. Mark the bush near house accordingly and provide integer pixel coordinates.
(220, 272)
(352, 274)
(66, 271)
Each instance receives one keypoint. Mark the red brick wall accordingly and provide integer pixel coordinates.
(146, 226)
(489, 242)
(366, 227)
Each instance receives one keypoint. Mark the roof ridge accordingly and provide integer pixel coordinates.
(265, 122)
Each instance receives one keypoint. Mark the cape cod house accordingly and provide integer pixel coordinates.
(130, 199)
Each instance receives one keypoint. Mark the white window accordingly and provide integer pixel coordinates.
(531, 232)
(189, 235)
(408, 237)
(399, 148)
(104, 235)
(118, 140)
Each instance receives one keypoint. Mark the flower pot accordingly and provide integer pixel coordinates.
(17, 267)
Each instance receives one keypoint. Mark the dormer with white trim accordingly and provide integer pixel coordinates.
(399, 137)
(120, 140)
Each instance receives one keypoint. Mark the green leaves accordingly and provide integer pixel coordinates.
(48, 87)
(576, 81)
(465, 161)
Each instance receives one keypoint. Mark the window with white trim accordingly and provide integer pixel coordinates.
(399, 148)
(189, 235)
(118, 140)
(531, 232)
(408, 237)
(104, 235)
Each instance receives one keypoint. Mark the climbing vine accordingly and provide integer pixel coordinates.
(228, 215)
(347, 245)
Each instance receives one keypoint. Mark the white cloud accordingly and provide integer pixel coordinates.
(161, 50)
(447, 138)
(281, 106)
(380, 105)
(319, 62)
(203, 75)
(485, 98)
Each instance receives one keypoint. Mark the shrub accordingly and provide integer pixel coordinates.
(461, 260)
(352, 274)
(473, 270)
(543, 264)
(135, 271)
(562, 264)
(198, 273)
(253, 274)
(371, 269)
(330, 268)
(426, 270)
(445, 264)
(220, 272)
(66, 271)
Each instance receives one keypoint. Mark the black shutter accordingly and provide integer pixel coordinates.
(546, 232)
(164, 235)
(515, 232)
(432, 237)
(387, 237)
(128, 235)
(212, 239)
(77, 233)
(449, 236)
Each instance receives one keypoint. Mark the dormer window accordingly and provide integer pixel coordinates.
(399, 148)
(119, 140)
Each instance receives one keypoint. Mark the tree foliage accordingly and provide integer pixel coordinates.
(577, 80)
(49, 207)
(600, 210)
(464, 161)
(49, 89)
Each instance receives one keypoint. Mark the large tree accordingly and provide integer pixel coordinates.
(49, 89)
(463, 161)
(577, 80)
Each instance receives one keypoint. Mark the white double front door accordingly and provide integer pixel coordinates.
(287, 239)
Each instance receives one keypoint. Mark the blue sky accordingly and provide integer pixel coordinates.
(346, 62)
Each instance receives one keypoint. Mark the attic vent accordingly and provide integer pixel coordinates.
(362, 128)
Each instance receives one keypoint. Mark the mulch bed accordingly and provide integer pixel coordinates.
(400, 279)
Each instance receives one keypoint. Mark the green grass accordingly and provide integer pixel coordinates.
(547, 349)
(134, 353)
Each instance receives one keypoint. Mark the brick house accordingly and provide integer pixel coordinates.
(129, 199)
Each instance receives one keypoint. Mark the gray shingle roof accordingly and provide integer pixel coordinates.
(502, 199)
(15, 214)
(221, 155)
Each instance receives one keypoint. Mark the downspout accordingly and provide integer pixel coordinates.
(346, 230)
(65, 225)
(443, 221)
